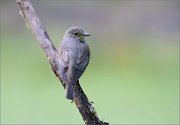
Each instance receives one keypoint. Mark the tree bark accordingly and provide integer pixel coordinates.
(34, 24)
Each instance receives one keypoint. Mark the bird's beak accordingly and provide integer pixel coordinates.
(86, 34)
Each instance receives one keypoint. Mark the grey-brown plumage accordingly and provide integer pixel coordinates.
(73, 58)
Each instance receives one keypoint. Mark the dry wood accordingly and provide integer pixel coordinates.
(34, 24)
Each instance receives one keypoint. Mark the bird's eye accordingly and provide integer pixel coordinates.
(76, 34)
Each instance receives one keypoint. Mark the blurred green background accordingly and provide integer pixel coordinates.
(133, 75)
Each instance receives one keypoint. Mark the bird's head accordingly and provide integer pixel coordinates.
(75, 32)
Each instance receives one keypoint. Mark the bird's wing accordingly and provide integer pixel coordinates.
(63, 60)
(80, 64)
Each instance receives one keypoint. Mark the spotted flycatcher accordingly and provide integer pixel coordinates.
(73, 58)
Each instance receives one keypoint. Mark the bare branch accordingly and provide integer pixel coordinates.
(33, 22)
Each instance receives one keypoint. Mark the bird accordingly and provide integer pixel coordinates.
(73, 57)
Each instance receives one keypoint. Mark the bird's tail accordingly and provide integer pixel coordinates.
(69, 91)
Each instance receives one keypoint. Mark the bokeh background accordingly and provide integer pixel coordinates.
(133, 75)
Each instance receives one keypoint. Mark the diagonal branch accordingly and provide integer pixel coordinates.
(34, 24)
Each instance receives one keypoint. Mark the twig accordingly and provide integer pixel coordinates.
(33, 22)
